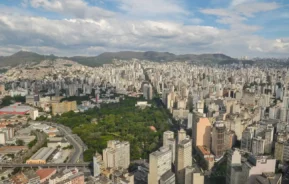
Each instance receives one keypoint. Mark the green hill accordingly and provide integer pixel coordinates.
(24, 57)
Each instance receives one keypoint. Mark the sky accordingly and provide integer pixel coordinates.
(253, 28)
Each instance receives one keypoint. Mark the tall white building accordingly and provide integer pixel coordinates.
(160, 163)
(184, 158)
(194, 175)
(2, 138)
(117, 154)
(286, 102)
(181, 135)
(33, 114)
(169, 141)
(166, 136)
(190, 120)
(283, 114)
(147, 91)
(234, 167)
(96, 167)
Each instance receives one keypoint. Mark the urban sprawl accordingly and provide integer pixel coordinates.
(139, 121)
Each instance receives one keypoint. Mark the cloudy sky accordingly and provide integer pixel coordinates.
(90, 27)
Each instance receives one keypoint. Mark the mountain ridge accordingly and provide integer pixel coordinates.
(23, 57)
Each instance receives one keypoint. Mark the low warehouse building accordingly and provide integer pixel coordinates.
(41, 156)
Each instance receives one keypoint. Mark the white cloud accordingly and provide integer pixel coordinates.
(241, 12)
(88, 34)
(75, 8)
(196, 21)
(251, 8)
(154, 7)
(238, 2)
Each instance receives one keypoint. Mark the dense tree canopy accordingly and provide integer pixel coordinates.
(8, 100)
(78, 99)
(121, 121)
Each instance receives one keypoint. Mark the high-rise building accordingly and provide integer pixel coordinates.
(202, 133)
(283, 114)
(193, 174)
(6, 134)
(62, 107)
(117, 154)
(234, 168)
(286, 102)
(166, 136)
(190, 120)
(165, 96)
(168, 178)
(184, 158)
(147, 91)
(279, 148)
(218, 139)
(200, 106)
(230, 139)
(246, 142)
(269, 133)
(181, 135)
(33, 114)
(169, 141)
(160, 163)
(286, 152)
(3, 138)
(96, 167)
(274, 112)
(258, 145)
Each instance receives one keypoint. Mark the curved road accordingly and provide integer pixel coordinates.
(78, 150)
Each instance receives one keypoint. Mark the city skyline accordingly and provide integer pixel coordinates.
(84, 27)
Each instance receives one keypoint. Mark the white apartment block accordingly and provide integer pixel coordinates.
(117, 154)
(160, 163)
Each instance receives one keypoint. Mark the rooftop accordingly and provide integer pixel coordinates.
(12, 149)
(169, 174)
(44, 173)
(42, 154)
(161, 151)
(204, 150)
(15, 108)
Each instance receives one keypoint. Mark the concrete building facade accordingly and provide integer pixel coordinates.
(184, 159)
(160, 163)
(117, 154)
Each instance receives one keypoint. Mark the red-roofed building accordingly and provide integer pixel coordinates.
(15, 109)
(45, 174)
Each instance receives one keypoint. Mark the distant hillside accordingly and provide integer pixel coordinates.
(23, 57)
(107, 57)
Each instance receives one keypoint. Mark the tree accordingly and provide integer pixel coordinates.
(32, 143)
(121, 121)
(20, 142)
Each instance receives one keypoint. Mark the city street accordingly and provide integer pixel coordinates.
(75, 141)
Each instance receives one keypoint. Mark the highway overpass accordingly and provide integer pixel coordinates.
(45, 165)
